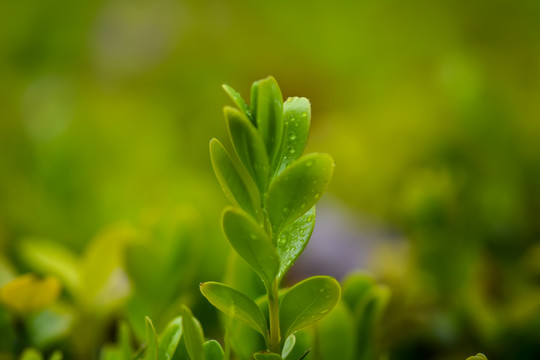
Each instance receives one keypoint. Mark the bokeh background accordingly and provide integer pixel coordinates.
(430, 109)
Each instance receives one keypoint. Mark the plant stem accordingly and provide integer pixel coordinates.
(273, 309)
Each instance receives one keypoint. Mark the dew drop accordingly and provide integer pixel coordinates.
(304, 114)
(292, 151)
(317, 195)
(310, 163)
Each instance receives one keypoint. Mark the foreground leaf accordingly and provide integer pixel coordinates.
(151, 340)
(249, 146)
(251, 243)
(297, 119)
(267, 356)
(307, 302)
(169, 339)
(478, 356)
(229, 178)
(297, 189)
(230, 300)
(237, 99)
(193, 335)
(293, 240)
(213, 351)
(267, 110)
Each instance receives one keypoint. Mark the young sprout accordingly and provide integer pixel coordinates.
(274, 189)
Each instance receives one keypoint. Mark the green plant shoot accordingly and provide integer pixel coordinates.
(273, 188)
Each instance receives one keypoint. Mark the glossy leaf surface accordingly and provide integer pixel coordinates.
(268, 113)
(307, 302)
(249, 146)
(288, 345)
(229, 178)
(251, 243)
(293, 240)
(169, 339)
(298, 189)
(193, 335)
(237, 99)
(296, 119)
(230, 300)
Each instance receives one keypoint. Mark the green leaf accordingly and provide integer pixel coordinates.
(237, 99)
(234, 187)
(57, 355)
(249, 146)
(356, 289)
(297, 119)
(297, 189)
(251, 243)
(169, 339)
(267, 110)
(307, 302)
(193, 335)
(230, 300)
(152, 341)
(336, 335)
(31, 354)
(267, 356)
(478, 356)
(213, 350)
(51, 258)
(288, 345)
(293, 240)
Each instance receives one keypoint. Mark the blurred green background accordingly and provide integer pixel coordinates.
(430, 109)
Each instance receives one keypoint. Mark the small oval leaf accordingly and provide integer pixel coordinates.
(237, 99)
(288, 345)
(296, 123)
(478, 356)
(251, 243)
(193, 335)
(230, 300)
(268, 113)
(233, 185)
(297, 189)
(307, 302)
(293, 240)
(249, 146)
(213, 351)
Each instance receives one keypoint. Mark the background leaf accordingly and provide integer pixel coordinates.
(307, 302)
